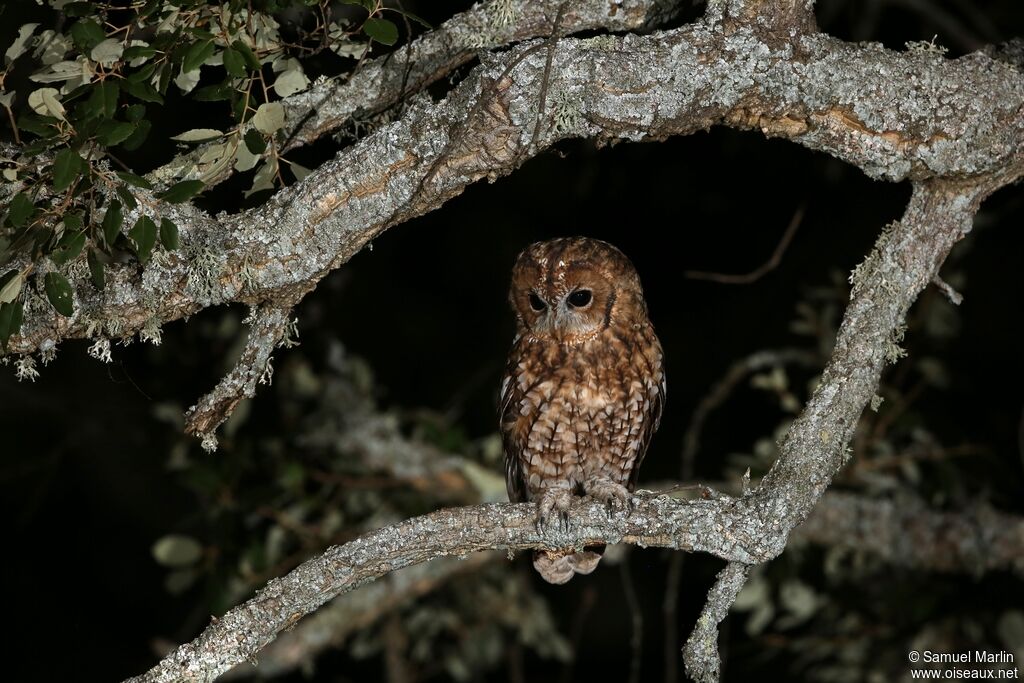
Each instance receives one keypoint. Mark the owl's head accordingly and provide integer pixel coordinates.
(572, 288)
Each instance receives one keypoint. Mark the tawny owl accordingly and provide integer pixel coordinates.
(584, 386)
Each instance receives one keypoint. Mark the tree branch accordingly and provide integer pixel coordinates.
(718, 526)
(894, 115)
(270, 327)
(701, 652)
(381, 83)
(904, 533)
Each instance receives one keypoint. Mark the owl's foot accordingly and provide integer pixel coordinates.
(614, 495)
(552, 500)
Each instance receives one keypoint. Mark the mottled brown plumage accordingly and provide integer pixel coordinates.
(584, 386)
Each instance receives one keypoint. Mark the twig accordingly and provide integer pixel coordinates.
(701, 651)
(718, 394)
(270, 325)
(771, 264)
(955, 297)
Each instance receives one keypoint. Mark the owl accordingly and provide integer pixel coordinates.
(584, 386)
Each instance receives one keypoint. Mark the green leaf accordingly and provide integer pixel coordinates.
(136, 139)
(419, 20)
(103, 101)
(168, 234)
(142, 74)
(143, 233)
(114, 133)
(165, 78)
(136, 51)
(136, 180)
(87, 34)
(112, 222)
(198, 32)
(10, 285)
(381, 30)
(10, 320)
(20, 209)
(149, 8)
(182, 192)
(197, 54)
(58, 291)
(96, 269)
(67, 167)
(127, 198)
(255, 143)
(135, 112)
(68, 248)
(235, 63)
(73, 222)
(247, 54)
(177, 551)
(43, 126)
(142, 90)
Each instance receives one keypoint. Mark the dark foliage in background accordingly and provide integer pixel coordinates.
(412, 335)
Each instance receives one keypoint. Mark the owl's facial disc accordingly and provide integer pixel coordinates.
(569, 314)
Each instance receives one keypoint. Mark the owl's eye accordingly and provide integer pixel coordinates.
(536, 303)
(580, 298)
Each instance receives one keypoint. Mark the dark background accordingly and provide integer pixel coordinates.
(84, 480)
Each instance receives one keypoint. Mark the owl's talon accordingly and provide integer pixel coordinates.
(554, 500)
(614, 496)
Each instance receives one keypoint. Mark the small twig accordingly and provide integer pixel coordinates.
(762, 270)
(269, 329)
(701, 651)
(545, 82)
(955, 297)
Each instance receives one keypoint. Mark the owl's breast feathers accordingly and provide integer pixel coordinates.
(569, 412)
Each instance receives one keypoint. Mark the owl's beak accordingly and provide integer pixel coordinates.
(561, 324)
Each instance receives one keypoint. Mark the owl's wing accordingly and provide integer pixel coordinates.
(651, 422)
(511, 438)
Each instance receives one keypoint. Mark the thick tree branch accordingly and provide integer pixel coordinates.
(904, 532)
(383, 82)
(352, 612)
(901, 533)
(894, 115)
(718, 526)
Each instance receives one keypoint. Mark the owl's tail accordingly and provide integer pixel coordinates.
(559, 568)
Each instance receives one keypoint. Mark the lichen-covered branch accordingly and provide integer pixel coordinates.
(894, 115)
(904, 532)
(701, 651)
(270, 327)
(903, 262)
(719, 526)
(383, 82)
(352, 612)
